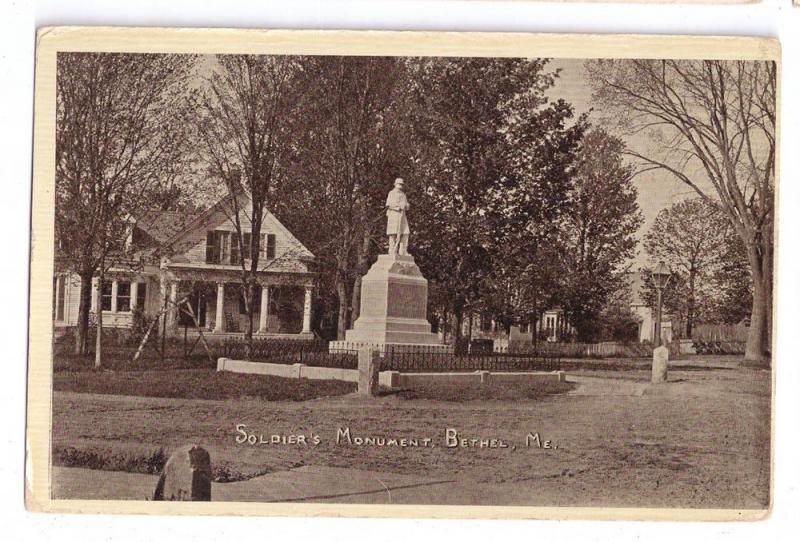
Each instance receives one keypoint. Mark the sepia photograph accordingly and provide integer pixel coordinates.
(492, 276)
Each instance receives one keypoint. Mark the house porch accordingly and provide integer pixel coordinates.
(216, 305)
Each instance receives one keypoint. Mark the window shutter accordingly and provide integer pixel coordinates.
(270, 246)
(262, 246)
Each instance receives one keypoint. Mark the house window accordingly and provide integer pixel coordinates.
(123, 297)
(215, 246)
(105, 296)
(523, 328)
(247, 237)
(141, 295)
(235, 247)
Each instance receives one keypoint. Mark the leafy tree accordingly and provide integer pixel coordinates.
(242, 132)
(732, 285)
(119, 144)
(690, 236)
(350, 147)
(480, 125)
(713, 127)
(598, 233)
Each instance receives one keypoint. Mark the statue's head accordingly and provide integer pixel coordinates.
(398, 183)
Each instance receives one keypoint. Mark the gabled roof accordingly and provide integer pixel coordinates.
(163, 225)
(168, 228)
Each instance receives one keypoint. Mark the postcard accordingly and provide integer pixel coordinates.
(410, 274)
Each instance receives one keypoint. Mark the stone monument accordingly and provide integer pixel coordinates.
(660, 363)
(394, 294)
(186, 476)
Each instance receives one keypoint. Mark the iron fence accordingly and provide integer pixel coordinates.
(266, 349)
(448, 362)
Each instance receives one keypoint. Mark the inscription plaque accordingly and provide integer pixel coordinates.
(407, 300)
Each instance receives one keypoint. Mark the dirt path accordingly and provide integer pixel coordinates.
(702, 440)
(606, 387)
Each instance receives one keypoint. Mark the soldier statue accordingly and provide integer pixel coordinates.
(397, 223)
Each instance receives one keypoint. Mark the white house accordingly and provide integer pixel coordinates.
(199, 258)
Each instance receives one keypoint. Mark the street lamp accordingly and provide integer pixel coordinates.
(661, 275)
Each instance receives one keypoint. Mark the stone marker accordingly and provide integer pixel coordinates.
(660, 359)
(368, 367)
(186, 476)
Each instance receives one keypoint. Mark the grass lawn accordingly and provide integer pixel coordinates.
(702, 440)
(197, 384)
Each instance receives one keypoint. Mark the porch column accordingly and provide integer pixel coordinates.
(114, 286)
(219, 322)
(134, 294)
(95, 294)
(172, 310)
(307, 311)
(262, 316)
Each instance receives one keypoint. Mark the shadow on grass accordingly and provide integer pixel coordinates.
(459, 392)
(198, 384)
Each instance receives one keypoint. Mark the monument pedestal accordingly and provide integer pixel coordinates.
(394, 306)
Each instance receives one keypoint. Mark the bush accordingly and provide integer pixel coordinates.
(140, 460)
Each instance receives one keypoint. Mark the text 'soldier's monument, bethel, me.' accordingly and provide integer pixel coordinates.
(394, 294)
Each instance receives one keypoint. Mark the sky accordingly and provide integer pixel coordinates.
(657, 190)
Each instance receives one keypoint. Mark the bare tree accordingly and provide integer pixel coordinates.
(713, 126)
(118, 143)
(242, 123)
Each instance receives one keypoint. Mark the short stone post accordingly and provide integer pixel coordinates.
(186, 476)
(660, 359)
(368, 367)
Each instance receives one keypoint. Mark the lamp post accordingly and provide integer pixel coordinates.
(661, 275)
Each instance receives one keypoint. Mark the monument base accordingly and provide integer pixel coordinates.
(393, 310)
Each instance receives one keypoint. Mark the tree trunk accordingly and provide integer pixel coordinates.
(690, 307)
(341, 322)
(457, 340)
(98, 349)
(248, 305)
(361, 270)
(84, 307)
(755, 349)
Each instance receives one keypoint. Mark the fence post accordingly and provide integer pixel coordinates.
(368, 367)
